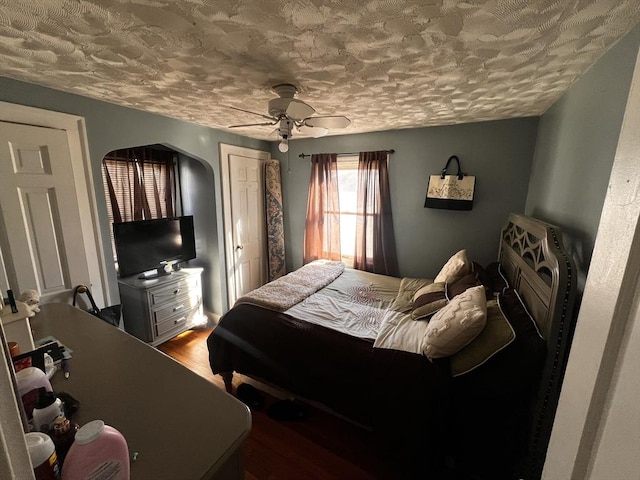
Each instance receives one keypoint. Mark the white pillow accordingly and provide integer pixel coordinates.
(456, 267)
(456, 325)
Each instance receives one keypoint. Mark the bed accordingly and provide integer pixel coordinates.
(461, 372)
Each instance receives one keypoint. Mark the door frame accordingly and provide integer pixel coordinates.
(226, 151)
(75, 128)
(15, 462)
(592, 423)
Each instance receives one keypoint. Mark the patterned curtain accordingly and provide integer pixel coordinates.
(275, 220)
(322, 228)
(375, 240)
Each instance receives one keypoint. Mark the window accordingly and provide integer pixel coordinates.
(349, 212)
(348, 192)
(139, 184)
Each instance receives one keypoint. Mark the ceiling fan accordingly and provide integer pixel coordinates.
(290, 114)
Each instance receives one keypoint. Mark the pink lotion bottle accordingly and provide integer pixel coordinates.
(98, 452)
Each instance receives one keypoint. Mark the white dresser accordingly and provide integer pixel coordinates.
(157, 309)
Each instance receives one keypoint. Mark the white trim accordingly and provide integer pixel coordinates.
(229, 255)
(607, 314)
(82, 174)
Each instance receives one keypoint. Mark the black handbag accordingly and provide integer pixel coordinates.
(452, 192)
(108, 314)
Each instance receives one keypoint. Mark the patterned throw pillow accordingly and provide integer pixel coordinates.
(456, 325)
(456, 267)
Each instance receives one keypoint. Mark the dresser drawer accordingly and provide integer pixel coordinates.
(172, 293)
(157, 309)
(177, 322)
(182, 304)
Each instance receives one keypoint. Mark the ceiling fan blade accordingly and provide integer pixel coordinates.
(249, 111)
(337, 121)
(253, 125)
(314, 132)
(298, 110)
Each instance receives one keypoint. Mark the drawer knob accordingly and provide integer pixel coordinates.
(179, 307)
(179, 320)
(176, 291)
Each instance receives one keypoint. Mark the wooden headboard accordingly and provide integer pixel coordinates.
(538, 267)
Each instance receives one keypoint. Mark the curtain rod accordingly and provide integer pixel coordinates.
(302, 155)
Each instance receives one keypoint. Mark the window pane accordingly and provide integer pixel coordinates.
(348, 189)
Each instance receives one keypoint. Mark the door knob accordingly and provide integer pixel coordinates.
(239, 247)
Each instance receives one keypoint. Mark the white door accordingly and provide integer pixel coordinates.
(248, 220)
(244, 219)
(42, 247)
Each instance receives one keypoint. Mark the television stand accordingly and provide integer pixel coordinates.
(156, 309)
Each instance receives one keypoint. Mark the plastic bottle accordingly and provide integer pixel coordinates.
(98, 452)
(48, 408)
(43, 457)
(29, 381)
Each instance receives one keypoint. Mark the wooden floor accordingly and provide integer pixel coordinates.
(322, 446)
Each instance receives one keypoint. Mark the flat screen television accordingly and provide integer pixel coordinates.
(147, 245)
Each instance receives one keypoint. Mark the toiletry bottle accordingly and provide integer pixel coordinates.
(48, 408)
(63, 433)
(42, 454)
(14, 348)
(29, 381)
(98, 452)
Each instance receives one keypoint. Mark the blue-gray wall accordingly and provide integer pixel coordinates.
(111, 127)
(576, 145)
(564, 181)
(198, 197)
(498, 153)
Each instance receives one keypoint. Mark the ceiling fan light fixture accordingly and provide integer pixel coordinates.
(291, 113)
(283, 146)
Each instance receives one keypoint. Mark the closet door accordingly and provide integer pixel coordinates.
(42, 246)
(249, 230)
(244, 216)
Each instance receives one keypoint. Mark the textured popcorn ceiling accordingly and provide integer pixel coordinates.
(385, 64)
